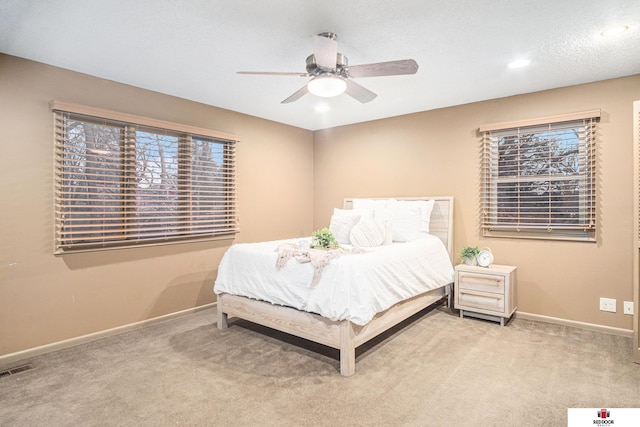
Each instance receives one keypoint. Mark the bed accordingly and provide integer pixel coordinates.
(312, 305)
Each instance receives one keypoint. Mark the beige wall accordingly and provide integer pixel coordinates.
(437, 153)
(44, 298)
(289, 180)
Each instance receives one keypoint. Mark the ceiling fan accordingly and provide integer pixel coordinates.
(331, 74)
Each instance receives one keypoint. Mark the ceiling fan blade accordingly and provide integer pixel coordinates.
(359, 93)
(296, 95)
(325, 50)
(273, 73)
(391, 68)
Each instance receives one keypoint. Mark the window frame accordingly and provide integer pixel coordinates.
(215, 209)
(490, 221)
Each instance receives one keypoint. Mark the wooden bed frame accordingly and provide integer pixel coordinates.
(344, 335)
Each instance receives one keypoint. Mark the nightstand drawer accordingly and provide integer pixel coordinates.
(481, 282)
(486, 292)
(482, 300)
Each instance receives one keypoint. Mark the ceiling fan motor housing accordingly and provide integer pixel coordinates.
(342, 66)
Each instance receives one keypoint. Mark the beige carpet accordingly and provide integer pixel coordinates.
(438, 370)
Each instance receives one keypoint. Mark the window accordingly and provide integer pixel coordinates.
(123, 180)
(539, 178)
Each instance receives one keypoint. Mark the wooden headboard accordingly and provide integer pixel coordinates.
(441, 224)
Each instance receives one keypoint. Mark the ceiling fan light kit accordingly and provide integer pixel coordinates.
(327, 86)
(331, 74)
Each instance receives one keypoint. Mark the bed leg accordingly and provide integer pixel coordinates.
(223, 320)
(347, 349)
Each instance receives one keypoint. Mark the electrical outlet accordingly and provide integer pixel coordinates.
(608, 304)
(628, 307)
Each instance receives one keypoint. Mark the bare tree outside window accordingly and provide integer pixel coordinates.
(156, 177)
(538, 181)
(122, 184)
(91, 179)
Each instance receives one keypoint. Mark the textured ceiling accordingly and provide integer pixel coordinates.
(193, 48)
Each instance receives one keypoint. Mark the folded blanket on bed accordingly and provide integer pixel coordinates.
(319, 258)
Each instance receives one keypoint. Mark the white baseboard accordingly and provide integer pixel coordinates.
(59, 345)
(573, 323)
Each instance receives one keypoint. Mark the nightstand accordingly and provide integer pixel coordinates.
(486, 292)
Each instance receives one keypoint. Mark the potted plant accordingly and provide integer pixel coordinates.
(468, 255)
(324, 239)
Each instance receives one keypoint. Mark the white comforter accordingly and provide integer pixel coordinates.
(353, 286)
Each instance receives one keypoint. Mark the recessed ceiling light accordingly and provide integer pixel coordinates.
(519, 63)
(614, 31)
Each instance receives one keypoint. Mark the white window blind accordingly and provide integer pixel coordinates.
(539, 179)
(120, 183)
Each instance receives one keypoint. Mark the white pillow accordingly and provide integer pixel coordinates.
(427, 208)
(410, 218)
(342, 221)
(362, 212)
(383, 217)
(388, 231)
(405, 221)
(366, 233)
